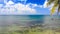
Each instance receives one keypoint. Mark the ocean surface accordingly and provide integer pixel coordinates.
(21, 19)
(7, 21)
(26, 19)
(16, 22)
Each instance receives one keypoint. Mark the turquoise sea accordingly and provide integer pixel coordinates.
(21, 19)
(14, 22)
(25, 19)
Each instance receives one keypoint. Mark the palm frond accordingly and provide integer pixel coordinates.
(49, 2)
(54, 7)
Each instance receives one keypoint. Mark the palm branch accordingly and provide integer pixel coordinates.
(56, 4)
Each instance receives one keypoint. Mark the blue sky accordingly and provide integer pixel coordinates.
(35, 5)
(39, 2)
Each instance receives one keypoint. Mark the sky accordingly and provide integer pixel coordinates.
(22, 7)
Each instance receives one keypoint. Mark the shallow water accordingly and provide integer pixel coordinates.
(26, 20)
(8, 23)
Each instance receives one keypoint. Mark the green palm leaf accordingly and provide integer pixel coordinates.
(56, 4)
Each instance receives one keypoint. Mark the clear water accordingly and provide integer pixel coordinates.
(12, 23)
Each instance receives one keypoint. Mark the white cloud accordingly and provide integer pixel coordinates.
(45, 4)
(11, 8)
(34, 5)
(9, 3)
(50, 6)
(24, 9)
(31, 5)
